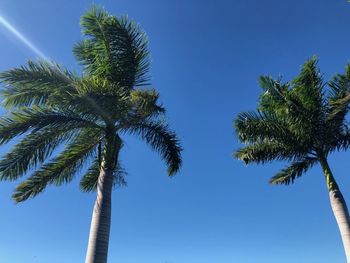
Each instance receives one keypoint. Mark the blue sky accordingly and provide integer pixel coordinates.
(206, 59)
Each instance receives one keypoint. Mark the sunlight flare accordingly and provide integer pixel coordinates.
(22, 38)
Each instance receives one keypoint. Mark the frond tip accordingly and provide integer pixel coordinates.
(162, 140)
(114, 48)
(61, 169)
(35, 84)
(295, 170)
(262, 152)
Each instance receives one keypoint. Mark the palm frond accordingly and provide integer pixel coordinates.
(90, 180)
(115, 48)
(308, 86)
(100, 97)
(35, 83)
(342, 142)
(301, 100)
(35, 119)
(34, 149)
(61, 169)
(161, 139)
(339, 97)
(266, 151)
(257, 126)
(274, 94)
(145, 103)
(293, 171)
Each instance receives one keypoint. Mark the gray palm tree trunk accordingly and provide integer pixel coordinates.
(97, 251)
(339, 207)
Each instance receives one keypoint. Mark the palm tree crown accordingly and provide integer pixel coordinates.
(88, 114)
(299, 122)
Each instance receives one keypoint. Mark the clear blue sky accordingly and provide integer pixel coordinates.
(206, 59)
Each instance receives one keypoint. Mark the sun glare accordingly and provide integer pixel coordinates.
(22, 38)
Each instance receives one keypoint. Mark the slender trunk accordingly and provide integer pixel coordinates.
(97, 251)
(339, 207)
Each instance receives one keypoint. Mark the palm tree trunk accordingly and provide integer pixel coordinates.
(97, 251)
(339, 207)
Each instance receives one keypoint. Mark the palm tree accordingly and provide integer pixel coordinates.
(300, 122)
(51, 107)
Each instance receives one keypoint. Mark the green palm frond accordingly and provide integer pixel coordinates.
(339, 97)
(102, 98)
(343, 140)
(339, 85)
(115, 48)
(119, 175)
(35, 83)
(89, 181)
(145, 103)
(346, 78)
(266, 151)
(293, 171)
(162, 140)
(301, 101)
(274, 94)
(61, 169)
(32, 150)
(35, 119)
(253, 127)
(308, 86)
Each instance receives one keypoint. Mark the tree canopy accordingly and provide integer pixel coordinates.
(50, 106)
(301, 122)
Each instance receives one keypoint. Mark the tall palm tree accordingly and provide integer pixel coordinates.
(300, 122)
(52, 107)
